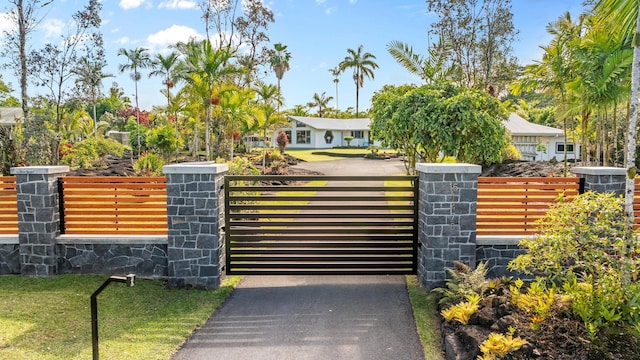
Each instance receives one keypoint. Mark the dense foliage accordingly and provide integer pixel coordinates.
(435, 121)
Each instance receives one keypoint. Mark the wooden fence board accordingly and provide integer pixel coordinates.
(512, 206)
(114, 205)
(8, 206)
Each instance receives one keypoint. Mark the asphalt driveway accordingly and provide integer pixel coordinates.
(314, 317)
(310, 317)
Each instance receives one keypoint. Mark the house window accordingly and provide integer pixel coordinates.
(288, 132)
(564, 147)
(358, 134)
(303, 137)
(300, 124)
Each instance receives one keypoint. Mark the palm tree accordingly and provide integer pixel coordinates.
(205, 68)
(237, 109)
(90, 75)
(624, 16)
(320, 101)
(279, 60)
(137, 58)
(362, 64)
(430, 69)
(165, 67)
(556, 69)
(335, 72)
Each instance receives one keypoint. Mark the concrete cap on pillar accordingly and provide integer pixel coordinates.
(208, 167)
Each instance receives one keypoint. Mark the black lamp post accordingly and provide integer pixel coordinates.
(129, 280)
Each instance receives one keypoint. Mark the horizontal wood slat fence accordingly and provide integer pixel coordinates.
(137, 205)
(111, 205)
(511, 206)
(8, 206)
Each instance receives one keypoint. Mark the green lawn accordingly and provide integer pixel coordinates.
(307, 154)
(425, 312)
(50, 318)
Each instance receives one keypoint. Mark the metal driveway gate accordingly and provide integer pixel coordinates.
(321, 224)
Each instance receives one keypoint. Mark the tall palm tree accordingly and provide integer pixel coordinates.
(205, 68)
(556, 69)
(279, 60)
(165, 67)
(320, 101)
(137, 59)
(362, 65)
(335, 72)
(624, 16)
(236, 107)
(90, 75)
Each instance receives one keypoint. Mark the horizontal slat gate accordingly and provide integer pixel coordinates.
(320, 225)
(512, 206)
(8, 206)
(110, 205)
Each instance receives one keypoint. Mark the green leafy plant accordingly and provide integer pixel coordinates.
(587, 248)
(498, 345)
(537, 301)
(149, 164)
(463, 282)
(348, 139)
(462, 312)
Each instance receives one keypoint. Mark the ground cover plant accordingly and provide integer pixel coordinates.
(49, 318)
(583, 304)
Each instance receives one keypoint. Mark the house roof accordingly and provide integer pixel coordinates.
(333, 124)
(8, 115)
(518, 126)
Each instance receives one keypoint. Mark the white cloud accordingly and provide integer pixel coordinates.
(53, 27)
(172, 35)
(320, 2)
(179, 4)
(123, 41)
(353, 1)
(5, 23)
(330, 10)
(131, 4)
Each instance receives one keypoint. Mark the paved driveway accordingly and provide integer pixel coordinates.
(356, 166)
(314, 317)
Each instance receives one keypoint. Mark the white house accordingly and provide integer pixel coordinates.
(323, 133)
(539, 142)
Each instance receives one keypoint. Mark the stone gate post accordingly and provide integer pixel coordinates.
(195, 212)
(38, 217)
(602, 179)
(446, 219)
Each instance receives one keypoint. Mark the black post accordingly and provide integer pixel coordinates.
(61, 204)
(129, 280)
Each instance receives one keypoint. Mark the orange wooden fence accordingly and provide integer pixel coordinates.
(8, 206)
(511, 206)
(114, 205)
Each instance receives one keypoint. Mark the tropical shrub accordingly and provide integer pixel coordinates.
(348, 139)
(282, 140)
(462, 311)
(86, 153)
(588, 249)
(149, 164)
(498, 345)
(162, 139)
(462, 282)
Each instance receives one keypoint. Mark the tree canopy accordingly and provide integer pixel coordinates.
(433, 121)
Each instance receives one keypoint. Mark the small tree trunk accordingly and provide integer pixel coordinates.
(633, 120)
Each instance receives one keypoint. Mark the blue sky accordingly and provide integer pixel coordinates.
(317, 32)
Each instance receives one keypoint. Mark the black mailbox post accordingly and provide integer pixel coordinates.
(129, 280)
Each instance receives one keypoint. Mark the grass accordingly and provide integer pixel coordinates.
(49, 318)
(425, 312)
(307, 154)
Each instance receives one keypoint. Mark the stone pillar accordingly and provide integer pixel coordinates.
(38, 217)
(195, 211)
(602, 179)
(446, 219)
